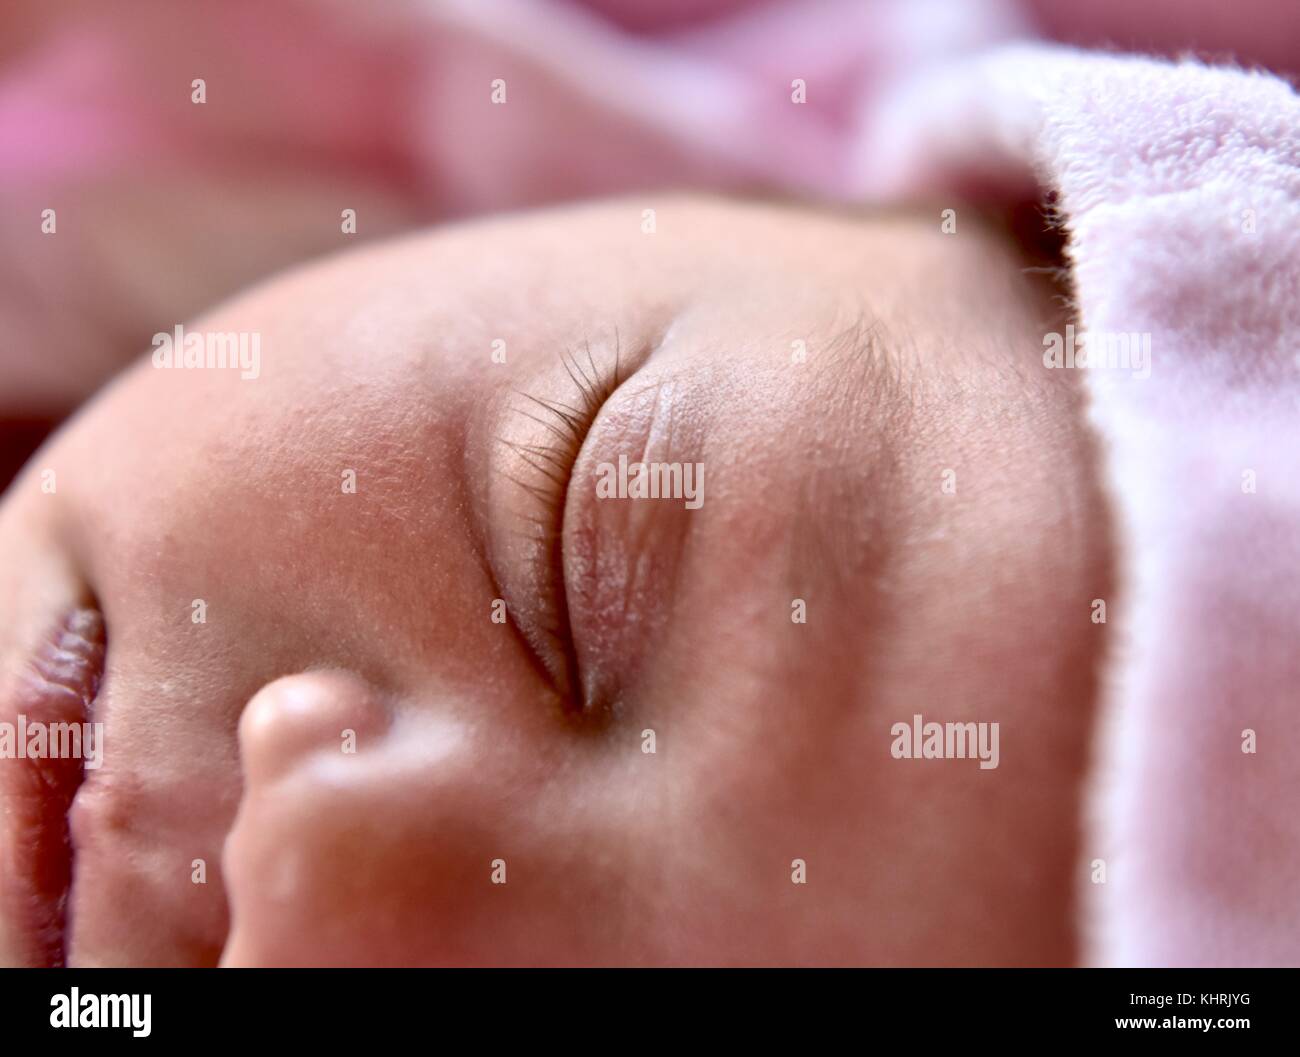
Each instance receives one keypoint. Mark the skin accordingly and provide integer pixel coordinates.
(371, 612)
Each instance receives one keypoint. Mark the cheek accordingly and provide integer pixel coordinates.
(309, 509)
(439, 841)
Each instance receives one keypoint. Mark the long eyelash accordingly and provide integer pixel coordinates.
(567, 424)
(552, 467)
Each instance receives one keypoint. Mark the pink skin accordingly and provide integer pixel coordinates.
(329, 612)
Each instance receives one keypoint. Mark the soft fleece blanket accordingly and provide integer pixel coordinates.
(1180, 189)
(1177, 184)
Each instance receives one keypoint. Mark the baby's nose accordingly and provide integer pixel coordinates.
(305, 740)
(300, 715)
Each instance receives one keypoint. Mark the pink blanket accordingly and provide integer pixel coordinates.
(1180, 190)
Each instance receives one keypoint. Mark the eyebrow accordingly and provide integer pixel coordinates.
(866, 389)
(867, 349)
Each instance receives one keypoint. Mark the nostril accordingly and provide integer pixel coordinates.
(300, 715)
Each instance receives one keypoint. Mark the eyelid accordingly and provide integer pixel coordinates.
(541, 470)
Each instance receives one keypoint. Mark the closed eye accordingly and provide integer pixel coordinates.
(542, 468)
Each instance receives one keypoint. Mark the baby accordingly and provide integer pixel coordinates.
(661, 582)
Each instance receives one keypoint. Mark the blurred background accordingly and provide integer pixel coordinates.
(156, 156)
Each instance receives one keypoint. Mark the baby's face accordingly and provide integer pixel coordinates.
(397, 650)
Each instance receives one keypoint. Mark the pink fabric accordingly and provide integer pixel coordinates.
(116, 93)
(1180, 189)
(1157, 167)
